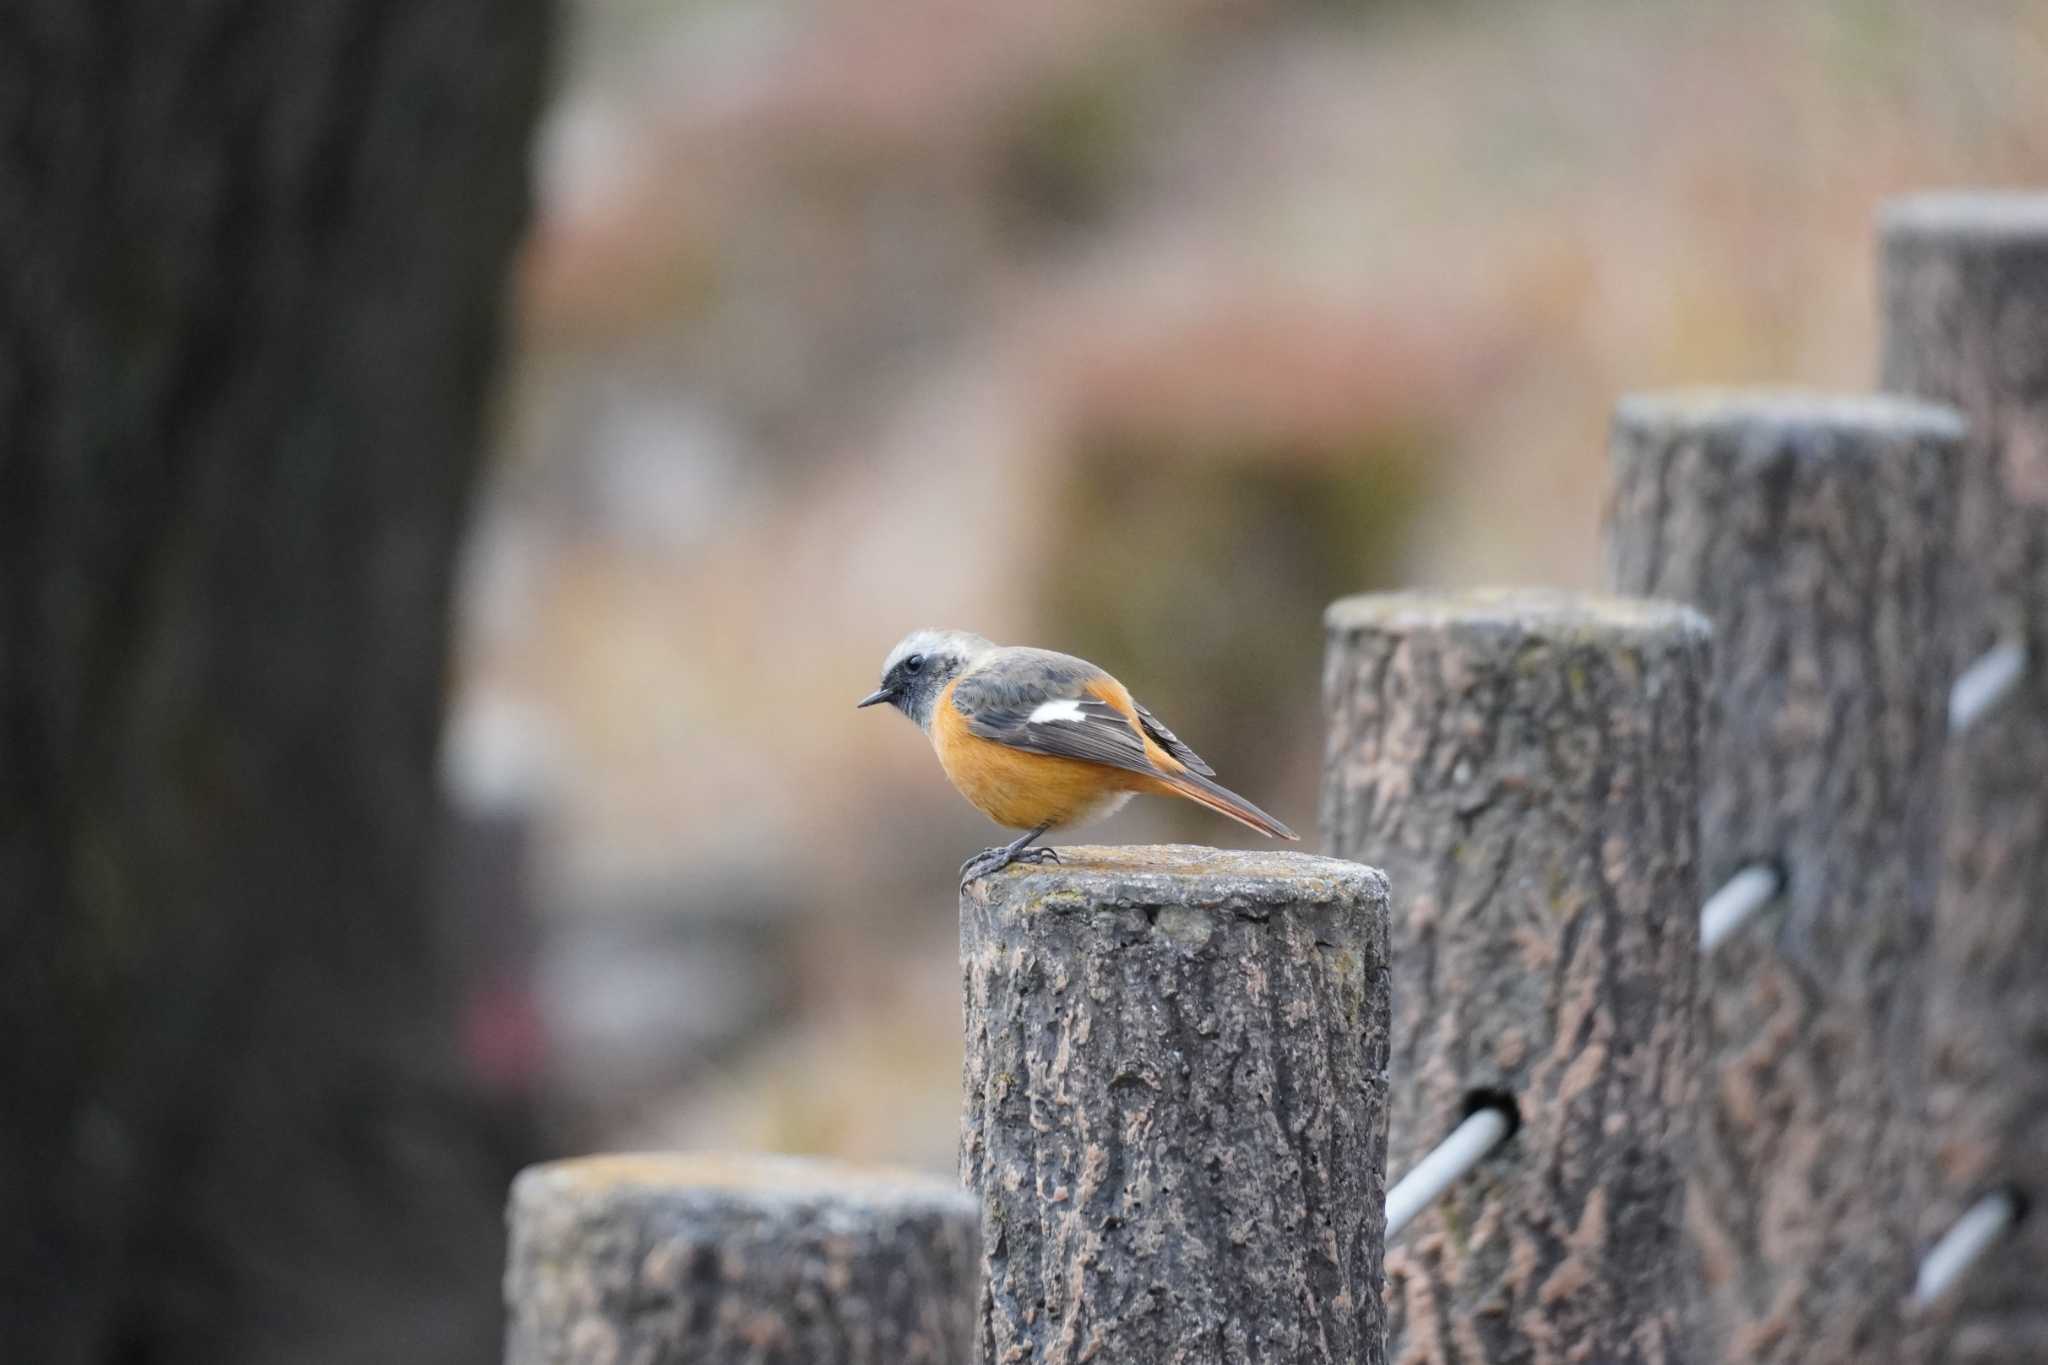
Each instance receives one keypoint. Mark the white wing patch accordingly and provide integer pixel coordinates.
(1067, 708)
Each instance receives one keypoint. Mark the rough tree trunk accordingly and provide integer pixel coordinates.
(1965, 296)
(1814, 534)
(1176, 1107)
(1525, 764)
(251, 266)
(707, 1260)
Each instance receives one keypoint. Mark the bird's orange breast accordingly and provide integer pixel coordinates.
(1023, 790)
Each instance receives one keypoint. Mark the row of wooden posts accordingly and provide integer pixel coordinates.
(1188, 1072)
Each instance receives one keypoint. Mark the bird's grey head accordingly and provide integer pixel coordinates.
(920, 666)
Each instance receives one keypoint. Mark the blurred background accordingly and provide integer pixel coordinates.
(1139, 331)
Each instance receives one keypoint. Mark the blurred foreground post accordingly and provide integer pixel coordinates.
(1814, 534)
(253, 263)
(1526, 765)
(1965, 298)
(738, 1260)
(1176, 1101)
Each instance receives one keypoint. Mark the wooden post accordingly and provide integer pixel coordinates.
(1525, 765)
(713, 1260)
(1965, 301)
(1814, 533)
(1176, 1107)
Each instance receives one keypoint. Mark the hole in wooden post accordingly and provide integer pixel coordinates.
(1500, 1101)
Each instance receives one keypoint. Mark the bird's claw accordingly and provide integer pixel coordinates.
(982, 864)
(991, 860)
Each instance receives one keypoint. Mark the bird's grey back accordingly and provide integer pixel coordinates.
(1002, 690)
(1019, 677)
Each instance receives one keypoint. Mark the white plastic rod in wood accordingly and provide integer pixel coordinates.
(1740, 897)
(1465, 1148)
(1813, 530)
(1985, 683)
(1979, 1229)
(1525, 765)
(1964, 290)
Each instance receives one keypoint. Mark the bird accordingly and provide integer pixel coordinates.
(1037, 740)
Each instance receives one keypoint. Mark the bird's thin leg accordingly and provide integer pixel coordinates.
(1018, 850)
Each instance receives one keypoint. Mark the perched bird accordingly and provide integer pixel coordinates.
(1038, 740)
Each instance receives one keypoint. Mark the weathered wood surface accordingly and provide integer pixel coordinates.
(1176, 1097)
(1814, 534)
(729, 1260)
(1965, 315)
(1525, 767)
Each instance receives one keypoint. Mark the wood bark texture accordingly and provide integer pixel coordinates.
(714, 1260)
(1176, 1099)
(252, 265)
(1814, 533)
(1965, 315)
(1525, 765)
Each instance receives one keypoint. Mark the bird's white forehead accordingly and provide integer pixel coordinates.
(961, 643)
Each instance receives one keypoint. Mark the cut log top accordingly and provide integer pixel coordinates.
(1249, 884)
(755, 1181)
(799, 1179)
(1767, 413)
(1995, 215)
(1559, 617)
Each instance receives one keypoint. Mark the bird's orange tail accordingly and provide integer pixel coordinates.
(1219, 798)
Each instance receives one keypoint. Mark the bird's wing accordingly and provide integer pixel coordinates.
(1171, 742)
(1047, 703)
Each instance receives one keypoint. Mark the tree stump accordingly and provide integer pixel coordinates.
(1176, 1100)
(713, 1260)
(1814, 533)
(1525, 766)
(1965, 303)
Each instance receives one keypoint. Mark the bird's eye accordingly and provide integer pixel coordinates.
(914, 663)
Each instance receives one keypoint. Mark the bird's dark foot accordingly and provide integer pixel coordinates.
(981, 864)
(996, 859)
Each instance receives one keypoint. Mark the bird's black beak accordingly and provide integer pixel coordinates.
(874, 698)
